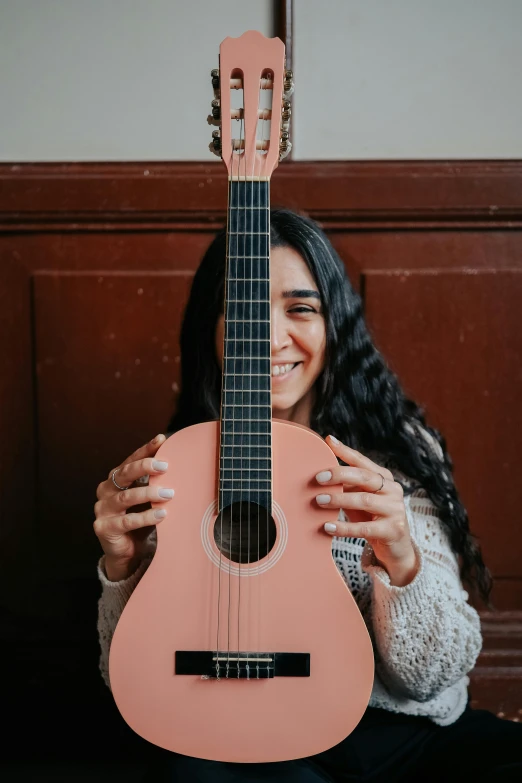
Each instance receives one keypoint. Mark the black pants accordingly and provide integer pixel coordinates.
(384, 748)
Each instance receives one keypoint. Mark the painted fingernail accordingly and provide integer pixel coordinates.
(330, 527)
(323, 498)
(166, 493)
(159, 465)
(160, 513)
(324, 475)
(334, 440)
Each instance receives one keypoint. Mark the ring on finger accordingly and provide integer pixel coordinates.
(382, 485)
(115, 482)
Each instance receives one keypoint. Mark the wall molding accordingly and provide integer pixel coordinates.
(341, 194)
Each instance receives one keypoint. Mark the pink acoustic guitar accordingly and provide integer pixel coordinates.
(242, 642)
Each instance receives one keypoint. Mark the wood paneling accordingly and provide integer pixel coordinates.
(435, 249)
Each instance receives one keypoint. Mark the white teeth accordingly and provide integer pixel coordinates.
(281, 369)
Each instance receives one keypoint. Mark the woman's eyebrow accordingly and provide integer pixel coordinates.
(301, 293)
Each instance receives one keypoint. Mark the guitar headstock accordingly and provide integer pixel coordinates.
(251, 105)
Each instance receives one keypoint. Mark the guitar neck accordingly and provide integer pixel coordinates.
(246, 406)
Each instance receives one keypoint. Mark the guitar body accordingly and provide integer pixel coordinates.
(193, 598)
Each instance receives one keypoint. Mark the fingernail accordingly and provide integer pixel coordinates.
(159, 465)
(334, 440)
(166, 493)
(323, 498)
(160, 513)
(324, 475)
(155, 440)
(330, 527)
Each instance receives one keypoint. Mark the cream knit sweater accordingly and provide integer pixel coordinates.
(426, 636)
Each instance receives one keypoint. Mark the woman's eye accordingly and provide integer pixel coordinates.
(302, 310)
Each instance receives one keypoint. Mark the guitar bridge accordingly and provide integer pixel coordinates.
(241, 665)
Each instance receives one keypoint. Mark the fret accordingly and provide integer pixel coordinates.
(263, 438)
(245, 445)
(251, 193)
(255, 413)
(236, 366)
(245, 321)
(237, 475)
(250, 233)
(240, 405)
(244, 246)
(241, 266)
(243, 207)
(241, 221)
(246, 330)
(255, 397)
(235, 484)
(232, 300)
(254, 453)
(246, 386)
(252, 339)
(234, 422)
(247, 310)
(239, 289)
(247, 470)
(263, 460)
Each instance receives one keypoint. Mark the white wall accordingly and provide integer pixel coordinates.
(408, 79)
(113, 79)
(129, 79)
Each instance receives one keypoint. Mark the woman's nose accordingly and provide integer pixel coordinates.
(280, 336)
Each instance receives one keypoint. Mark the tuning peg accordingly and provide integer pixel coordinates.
(286, 112)
(284, 148)
(214, 75)
(288, 84)
(213, 149)
(216, 109)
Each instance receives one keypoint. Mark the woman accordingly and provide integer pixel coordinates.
(404, 566)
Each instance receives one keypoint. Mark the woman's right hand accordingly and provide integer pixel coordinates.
(122, 534)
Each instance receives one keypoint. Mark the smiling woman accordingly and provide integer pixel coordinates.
(298, 336)
(400, 535)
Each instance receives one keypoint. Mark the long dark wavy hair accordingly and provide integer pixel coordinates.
(358, 399)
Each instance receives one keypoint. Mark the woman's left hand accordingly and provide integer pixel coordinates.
(374, 503)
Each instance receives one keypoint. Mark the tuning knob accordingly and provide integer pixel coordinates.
(216, 109)
(286, 113)
(288, 84)
(215, 145)
(214, 75)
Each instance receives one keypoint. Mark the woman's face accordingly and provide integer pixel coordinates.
(298, 336)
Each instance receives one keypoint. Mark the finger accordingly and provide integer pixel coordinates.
(379, 530)
(148, 450)
(115, 526)
(138, 495)
(136, 471)
(381, 505)
(356, 459)
(356, 478)
(129, 472)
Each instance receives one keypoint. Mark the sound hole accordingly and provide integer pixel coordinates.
(244, 532)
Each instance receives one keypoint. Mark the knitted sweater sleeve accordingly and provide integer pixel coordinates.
(426, 634)
(111, 604)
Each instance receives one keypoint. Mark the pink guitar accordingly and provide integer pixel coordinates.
(242, 642)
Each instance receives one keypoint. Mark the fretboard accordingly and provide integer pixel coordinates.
(246, 407)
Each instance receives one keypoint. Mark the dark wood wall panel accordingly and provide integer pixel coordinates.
(107, 362)
(461, 324)
(435, 249)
